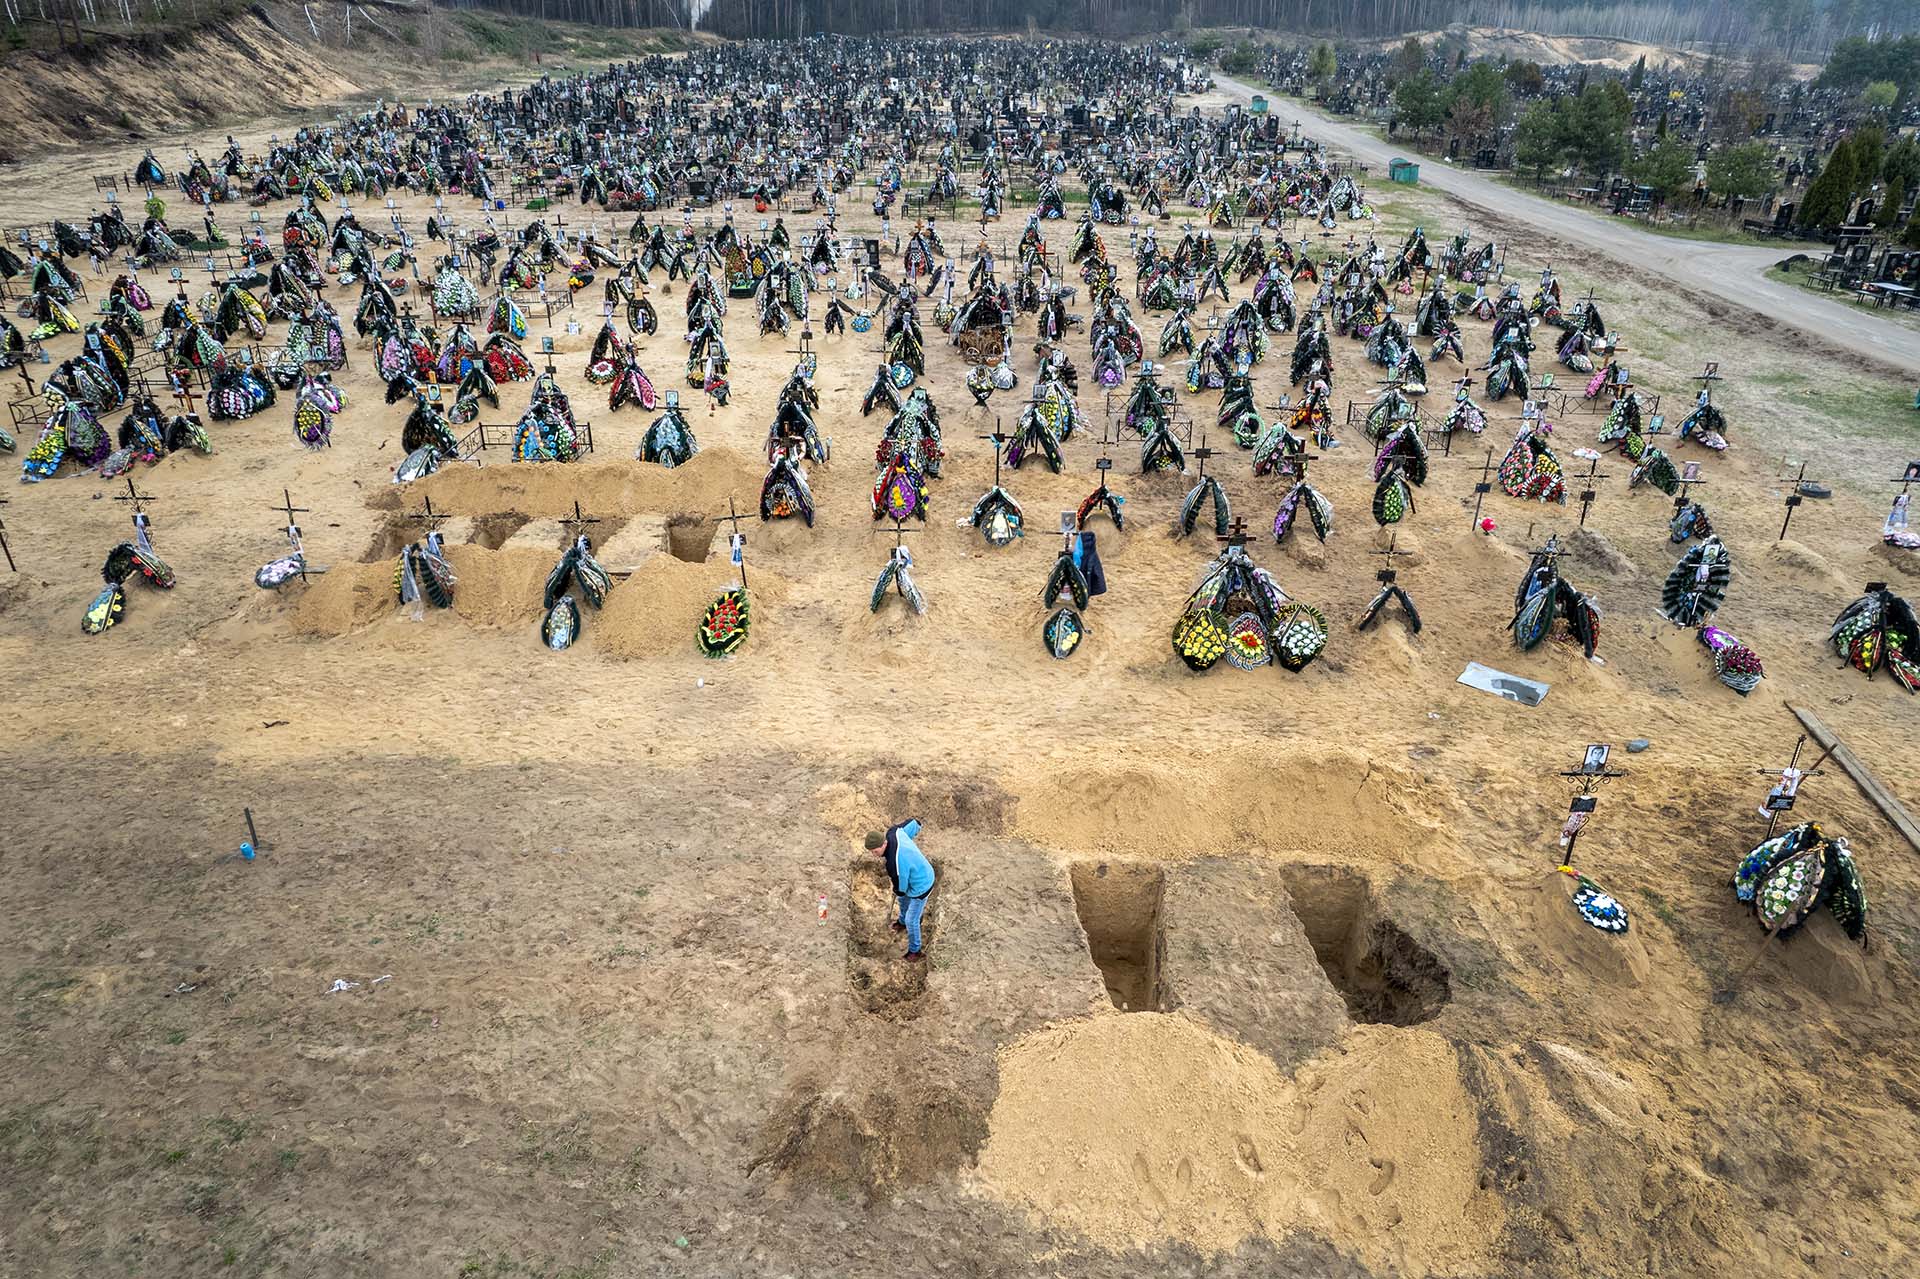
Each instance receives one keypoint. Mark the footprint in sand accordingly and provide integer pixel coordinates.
(1248, 1156)
(1355, 1133)
(1362, 1104)
(1144, 1175)
(1382, 1177)
(1297, 1121)
(1184, 1173)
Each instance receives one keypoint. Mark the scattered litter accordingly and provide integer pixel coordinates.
(1637, 745)
(341, 985)
(274, 723)
(1528, 692)
(378, 980)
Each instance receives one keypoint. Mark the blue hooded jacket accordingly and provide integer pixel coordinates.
(907, 867)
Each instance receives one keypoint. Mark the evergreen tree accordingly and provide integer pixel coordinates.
(1828, 199)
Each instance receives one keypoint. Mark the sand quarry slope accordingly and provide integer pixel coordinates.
(596, 1022)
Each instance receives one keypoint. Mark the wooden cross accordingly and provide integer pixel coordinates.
(292, 529)
(733, 517)
(1793, 500)
(1481, 489)
(183, 394)
(1780, 799)
(1236, 534)
(1592, 477)
(899, 530)
(1387, 575)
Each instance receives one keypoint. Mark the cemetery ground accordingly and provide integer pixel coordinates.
(1263, 974)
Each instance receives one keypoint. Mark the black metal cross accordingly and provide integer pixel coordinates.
(999, 439)
(288, 508)
(1592, 477)
(1481, 489)
(1590, 775)
(4, 548)
(579, 520)
(138, 499)
(430, 517)
(1793, 500)
(1202, 453)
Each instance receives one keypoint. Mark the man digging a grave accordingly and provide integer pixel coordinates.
(911, 875)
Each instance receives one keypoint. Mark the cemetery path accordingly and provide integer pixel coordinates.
(1731, 273)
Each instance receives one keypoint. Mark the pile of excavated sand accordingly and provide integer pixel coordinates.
(1140, 1128)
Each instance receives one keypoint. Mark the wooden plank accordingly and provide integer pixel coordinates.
(1869, 785)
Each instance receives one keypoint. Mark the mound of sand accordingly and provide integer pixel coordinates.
(1804, 563)
(1592, 551)
(1138, 1128)
(1148, 808)
(343, 599)
(602, 486)
(506, 587)
(654, 612)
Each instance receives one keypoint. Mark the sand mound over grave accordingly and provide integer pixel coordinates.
(654, 613)
(602, 486)
(1141, 1128)
(501, 588)
(1174, 808)
(343, 599)
(492, 588)
(1807, 566)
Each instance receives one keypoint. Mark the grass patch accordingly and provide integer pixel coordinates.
(1908, 318)
(1662, 908)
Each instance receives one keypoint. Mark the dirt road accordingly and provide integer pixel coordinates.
(1732, 273)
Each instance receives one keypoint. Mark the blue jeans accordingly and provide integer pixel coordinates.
(911, 908)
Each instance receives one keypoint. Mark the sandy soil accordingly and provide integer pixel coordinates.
(599, 1027)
